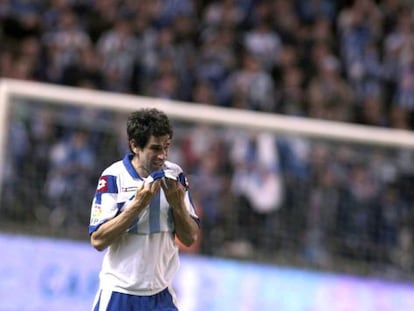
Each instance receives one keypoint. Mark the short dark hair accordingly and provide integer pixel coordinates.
(147, 122)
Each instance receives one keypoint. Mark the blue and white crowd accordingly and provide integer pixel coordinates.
(264, 197)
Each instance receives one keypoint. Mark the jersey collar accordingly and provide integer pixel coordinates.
(127, 161)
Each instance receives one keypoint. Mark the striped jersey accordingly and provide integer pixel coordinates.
(144, 260)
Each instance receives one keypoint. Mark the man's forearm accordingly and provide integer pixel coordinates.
(114, 228)
(186, 227)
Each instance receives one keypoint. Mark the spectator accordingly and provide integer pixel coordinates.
(225, 13)
(71, 164)
(118, 48)
(264, 43)
(253, 84)
(86, 69)
(330, 97)
(217, 58)
(322, 212)
(65, 43)
(15, 161)
(258, 185)
(358, 209)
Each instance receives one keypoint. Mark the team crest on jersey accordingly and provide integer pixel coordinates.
(102, 184)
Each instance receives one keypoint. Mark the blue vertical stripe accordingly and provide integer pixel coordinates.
(134, 227)
(154, 215)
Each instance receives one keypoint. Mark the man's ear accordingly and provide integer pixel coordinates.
(133, 146)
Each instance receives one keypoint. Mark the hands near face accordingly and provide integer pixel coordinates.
(173, 190)
(146, 192)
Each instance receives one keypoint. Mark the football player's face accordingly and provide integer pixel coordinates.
(154, 154)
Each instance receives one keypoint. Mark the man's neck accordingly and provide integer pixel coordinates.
(141, 170)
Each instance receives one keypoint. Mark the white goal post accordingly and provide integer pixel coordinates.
(16, 89)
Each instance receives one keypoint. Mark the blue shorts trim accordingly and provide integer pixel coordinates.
(163, 301)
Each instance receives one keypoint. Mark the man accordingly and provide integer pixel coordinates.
(141, 204)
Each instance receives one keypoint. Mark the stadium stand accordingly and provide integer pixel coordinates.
(332, 206)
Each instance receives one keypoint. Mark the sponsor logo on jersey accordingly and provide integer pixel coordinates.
(102, 184)
(128, 189)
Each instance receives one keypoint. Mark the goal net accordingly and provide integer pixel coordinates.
(268, 188)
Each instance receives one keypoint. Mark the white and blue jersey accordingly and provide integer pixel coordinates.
(144, 260)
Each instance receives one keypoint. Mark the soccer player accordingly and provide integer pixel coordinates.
(141, 204)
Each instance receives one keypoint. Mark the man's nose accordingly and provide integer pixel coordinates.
(162, 154)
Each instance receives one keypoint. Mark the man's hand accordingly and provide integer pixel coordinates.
(145, 193)
(174, 192)
(185, 227)
(111, 230)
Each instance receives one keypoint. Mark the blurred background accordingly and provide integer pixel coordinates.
(330, 219)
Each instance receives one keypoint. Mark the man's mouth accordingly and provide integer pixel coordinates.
(158, 164)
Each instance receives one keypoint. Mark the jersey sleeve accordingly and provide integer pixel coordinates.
(104, 204)
(188, 200)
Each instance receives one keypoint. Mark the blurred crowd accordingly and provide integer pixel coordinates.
(260, 195)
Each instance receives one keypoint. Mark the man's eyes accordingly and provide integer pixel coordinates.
(159, 148)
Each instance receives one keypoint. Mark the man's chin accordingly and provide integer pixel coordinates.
(156, 168)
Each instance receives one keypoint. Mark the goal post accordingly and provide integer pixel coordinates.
(205, 113)
(374, 146)
(11, 89)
